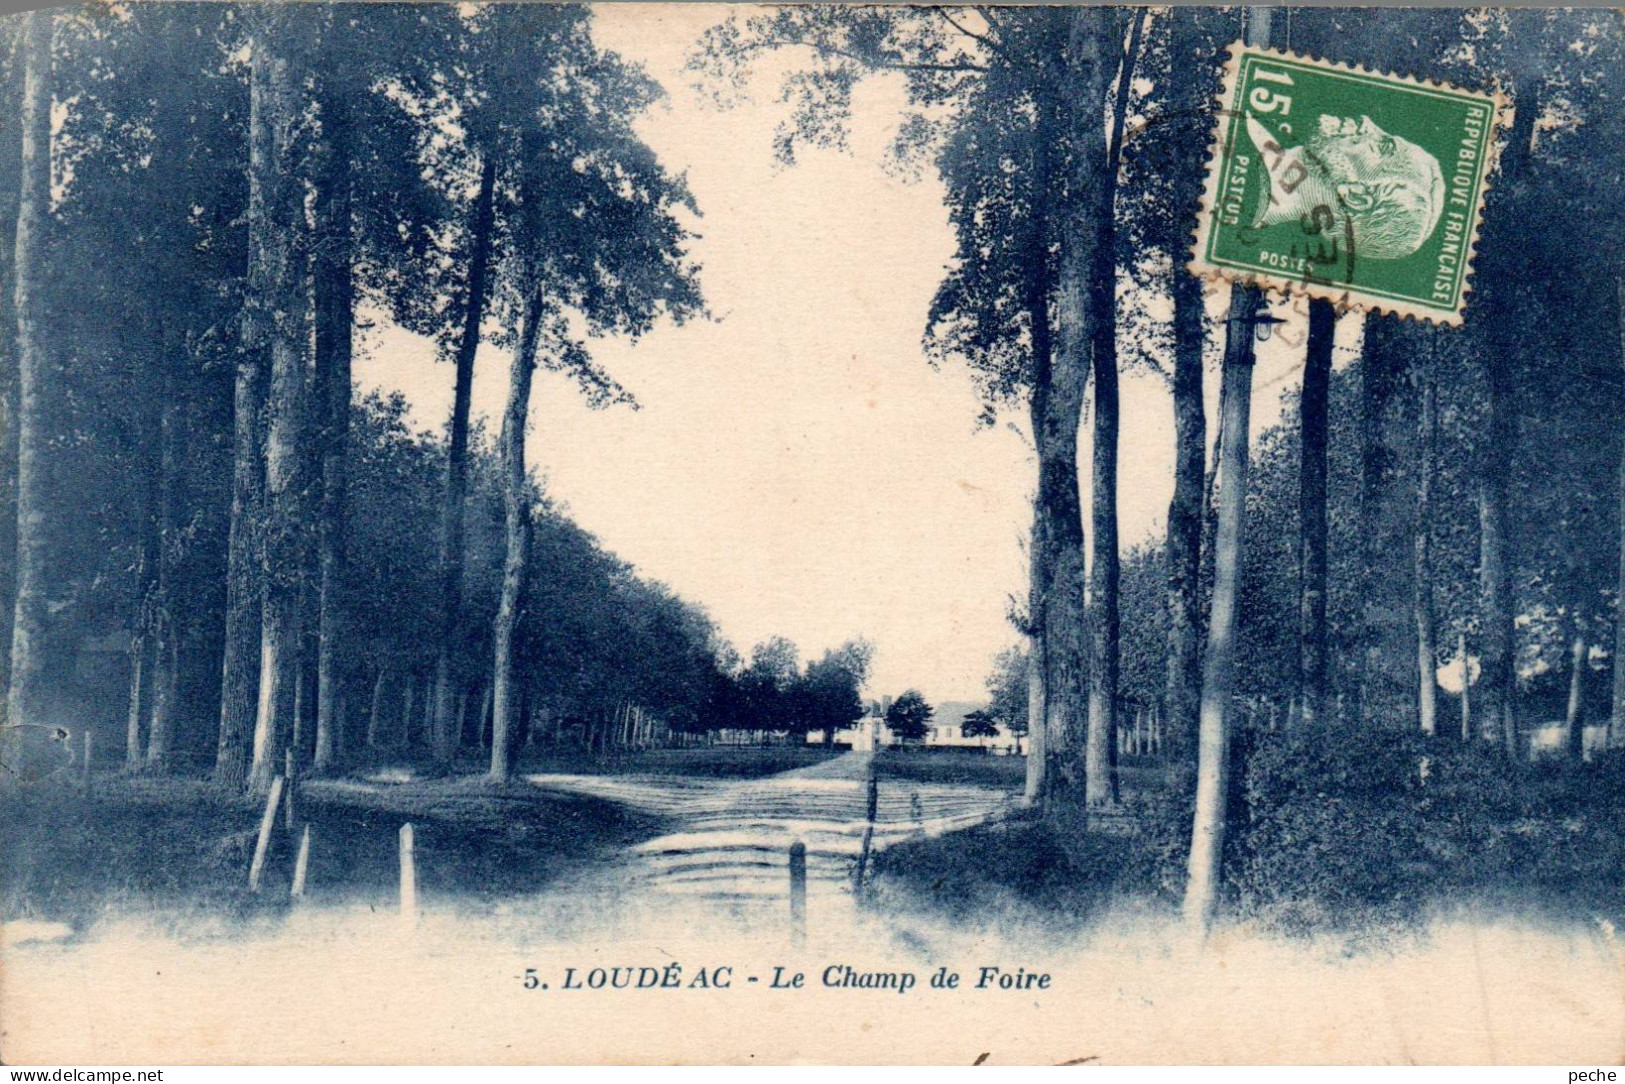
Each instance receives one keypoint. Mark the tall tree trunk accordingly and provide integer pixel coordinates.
(1616, 718)
(240, 658)
(26, 699)
(1466, 688)
(1057, 472)
(1210, 509)
(302, 733)
(335, 327)
(516, 500)
(482, 726)
(239, 676)
(375, 718)
(408, 701)
(1036, 785)
(165, 619)
(1185, 514)
(1314, 404)
(140, 679)
(8, 442)
(1574, 717)
(1066, 619)
(1219, 664)
(166, 682)
(146, 580)
(1210, 817)
(1427, 663)
(1100, 759)
(1498, 685)
(1100, 751)
(1059, 416)
(1499, 682)
(1376, 366)
(282, 288)
(456, 499)
(458, 741)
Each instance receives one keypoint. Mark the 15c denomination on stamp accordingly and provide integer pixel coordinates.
(1362, 188)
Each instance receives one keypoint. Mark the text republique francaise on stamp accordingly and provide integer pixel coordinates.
(1330, 181)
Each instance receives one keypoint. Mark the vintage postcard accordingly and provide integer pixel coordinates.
(696, 533)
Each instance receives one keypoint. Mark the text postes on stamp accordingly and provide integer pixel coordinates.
(1335, 182)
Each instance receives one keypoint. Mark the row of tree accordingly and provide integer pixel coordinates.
(211, 205)
(1071, 144)
(297, 568)
(774, 693)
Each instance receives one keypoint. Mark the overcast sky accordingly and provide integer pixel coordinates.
(796, 466)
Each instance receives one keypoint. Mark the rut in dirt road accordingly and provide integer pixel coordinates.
(730, 839)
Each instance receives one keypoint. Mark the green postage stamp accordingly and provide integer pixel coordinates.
(1335, 182)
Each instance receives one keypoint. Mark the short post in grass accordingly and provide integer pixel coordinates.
(409, 877)
(301, 865)
(261, 845)
(289, 770)
(873, 811)
(798, 892)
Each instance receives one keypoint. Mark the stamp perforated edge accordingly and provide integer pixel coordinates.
(1344, 299)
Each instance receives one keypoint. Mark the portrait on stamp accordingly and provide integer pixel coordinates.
(1308, 191)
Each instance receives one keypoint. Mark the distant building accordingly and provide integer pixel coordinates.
(1547, 740)
(946, 731)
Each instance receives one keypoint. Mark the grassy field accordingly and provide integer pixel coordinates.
(1050, 867)
(182, 844)
(950, 766)
(703, 762)
(914, 764)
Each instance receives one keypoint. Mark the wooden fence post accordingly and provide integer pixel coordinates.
(409, 877)
(798, 892)
(267, 820)
(869, 828)
(301, 865)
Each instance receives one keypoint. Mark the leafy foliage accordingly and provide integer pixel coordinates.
(1007, 686)
(979, 724)
(909, 716)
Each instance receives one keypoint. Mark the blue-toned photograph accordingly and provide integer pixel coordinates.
(695, 533)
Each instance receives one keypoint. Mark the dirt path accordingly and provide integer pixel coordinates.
(729, 840)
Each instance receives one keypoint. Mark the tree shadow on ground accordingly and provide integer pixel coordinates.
(181, 846)
(1052, 865)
